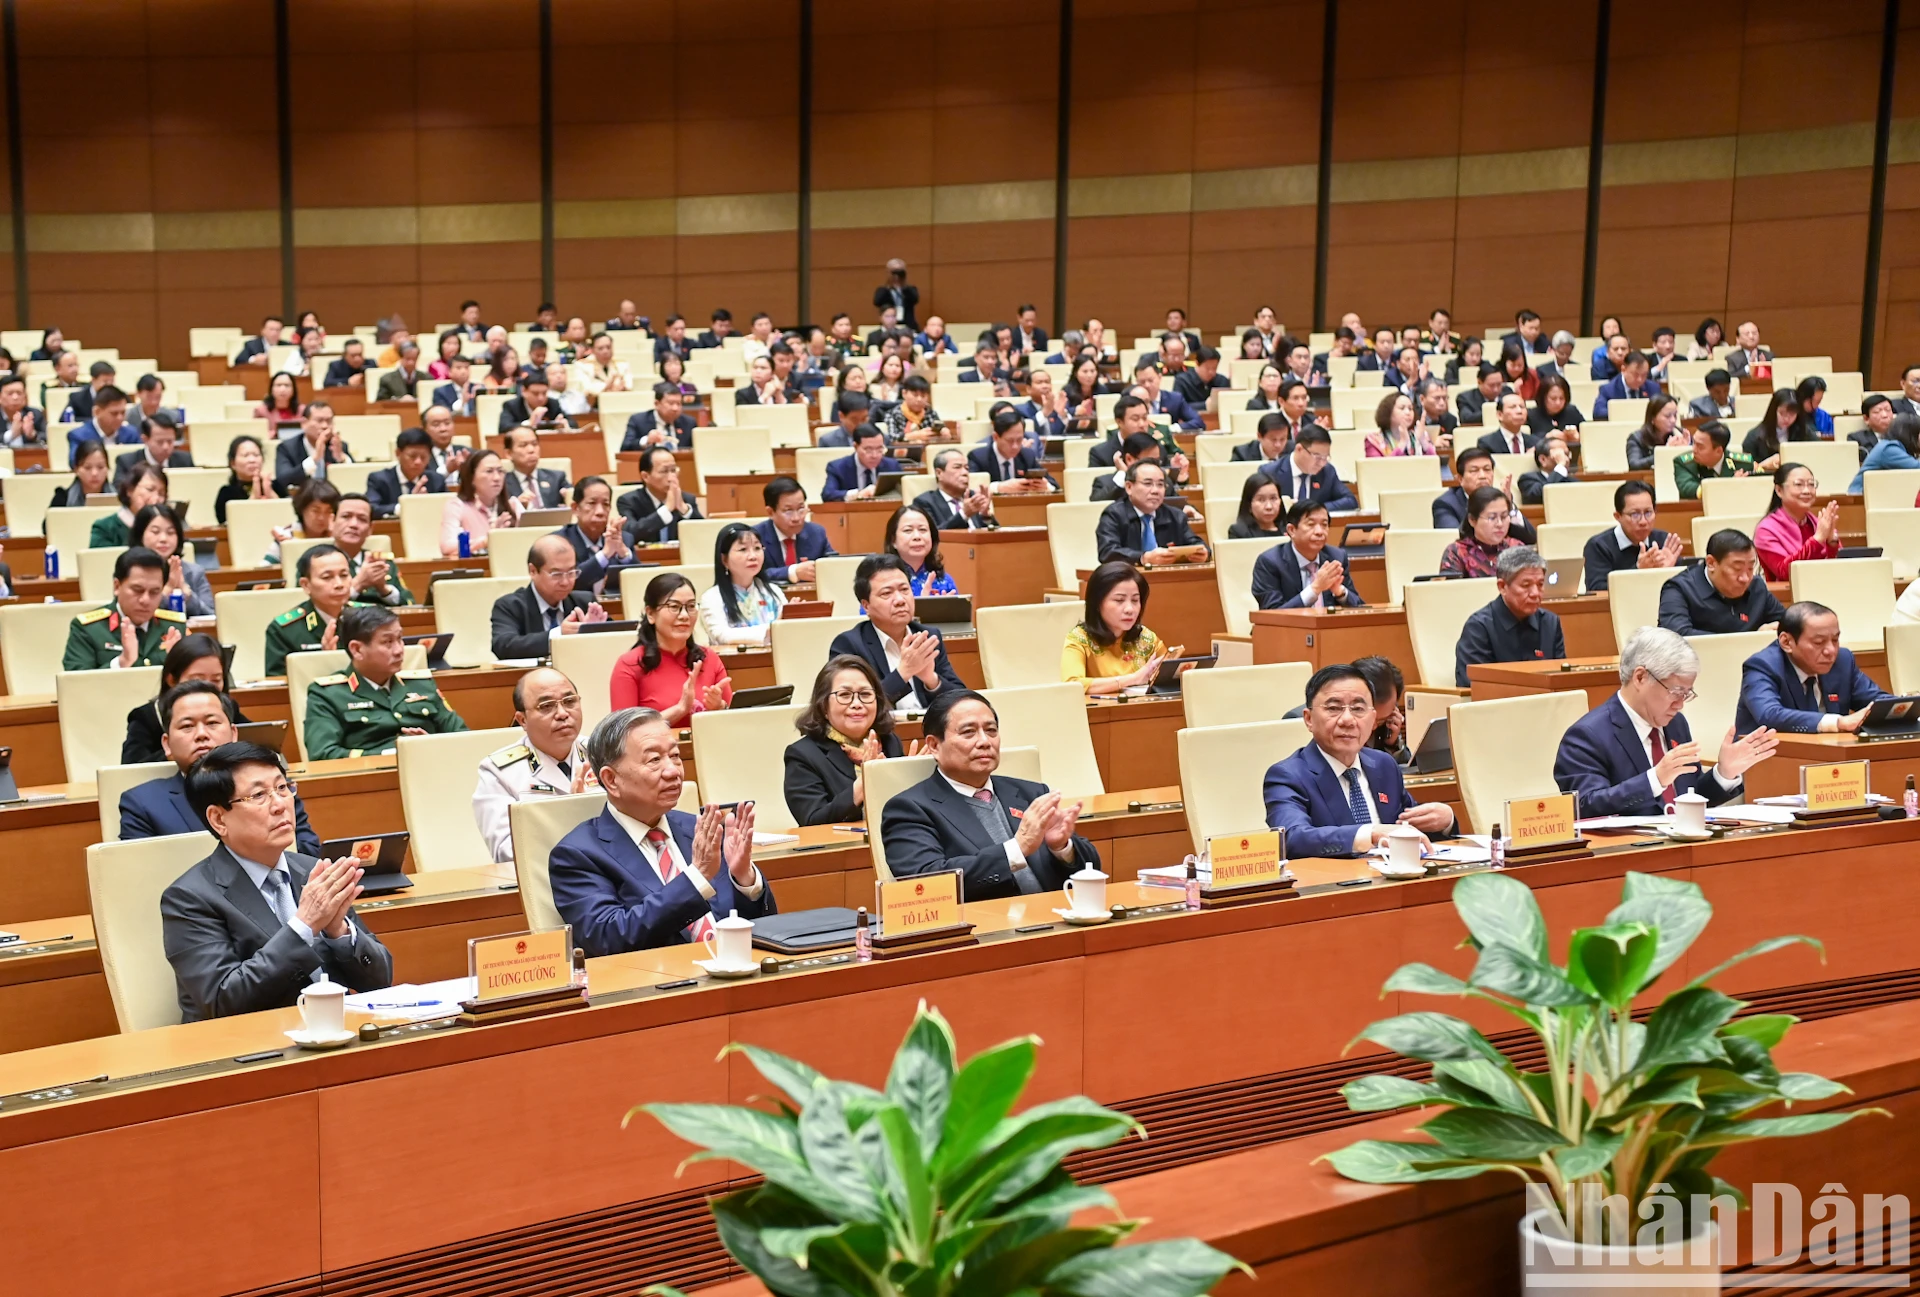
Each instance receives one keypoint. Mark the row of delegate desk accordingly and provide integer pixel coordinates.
(498, 1152)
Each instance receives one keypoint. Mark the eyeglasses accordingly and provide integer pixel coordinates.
(555, 706)
(284, 792)
(848, 697)
(1683, 695)
(555, 573)
(1496, 517)
(680, 607)
(1356, 709)
(1638, 515)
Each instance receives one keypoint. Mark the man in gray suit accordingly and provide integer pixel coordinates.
(251, 925)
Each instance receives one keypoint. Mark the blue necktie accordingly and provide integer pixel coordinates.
(1356, 801)
(1147, 542)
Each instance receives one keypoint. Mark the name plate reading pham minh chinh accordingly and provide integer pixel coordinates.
(920, 914)
(1245, 859)
(1841, 786)
(521, 975)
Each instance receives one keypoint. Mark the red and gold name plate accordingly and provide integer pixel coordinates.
(1841, 786)
(923, 903)
(520, 963)
(1542, 821)
(1245, 859)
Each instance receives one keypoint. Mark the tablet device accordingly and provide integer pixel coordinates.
(1435, 752)
(545, 518)
(608, 627)
(271, 735)
(1167, 679)
(1860, 551)
(9, 790)
(888, 485)
(436, 647)
(1889, 718)
(381, 855)
(944, 612)
(765, 696)
(1364, 535)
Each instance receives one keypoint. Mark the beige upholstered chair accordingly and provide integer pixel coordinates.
(1223, 769)
(801, 646)
(433, 770)
(1020, 643)
(1504, 749)
(241, 618)
(1412, 553)
(1052, 718)
(588, 661)
(33, 639)
(1859, 590)
(741, 756)
(1710, 715)
(537, 826)
(1436, 611)
(93, 707)
(125, 881)
(465, 607)
(1241, 695)
(111, 782)
(885, 778)
(1634, 599)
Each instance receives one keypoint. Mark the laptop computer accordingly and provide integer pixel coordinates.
(1167, 679)
(947, 613)
(381, 855)
(1564, 576)
(1435, 752)
(1891, 718)
(1860, 551)
(545, 518)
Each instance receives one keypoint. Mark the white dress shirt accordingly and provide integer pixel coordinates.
(1829, 723)
(916, 698)
(257, 874)
(671, 847)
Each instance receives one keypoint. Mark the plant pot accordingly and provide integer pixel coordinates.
(1550, 1264)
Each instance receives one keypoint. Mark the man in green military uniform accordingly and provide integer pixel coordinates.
(364, 711)
(133, 630)
(375, 578)
(324, 575)
(1708, 458)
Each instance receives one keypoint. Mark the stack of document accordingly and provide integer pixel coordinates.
(408, 1002)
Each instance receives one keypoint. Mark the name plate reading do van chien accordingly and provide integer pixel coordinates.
(1841, 786)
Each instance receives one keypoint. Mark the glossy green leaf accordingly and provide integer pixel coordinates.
(1491, 1136)
(1612, 961)
(793, 1243)
(984, 1091)
(921, 1079)
(1682, 1029)
(1530, 980)
(833, 1153)
(1675, 909)
(1024, 1149)
(1766, 1029)
(1499, 909)
(907, 1180)
(742, 1219)
(1664, 1091)
(1458, 1080)
(1177, 1268)
(1379, 1161)
(758, 1140)
(1591, 1155)
(1429, 1037)
(1812, 1123)
(1423, 979)
(1381, 1093)
(1028, 1265)
(1803, 1087)
(791, 1077)
(1768, 946)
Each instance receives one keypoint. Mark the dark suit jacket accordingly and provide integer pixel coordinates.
(1324, 487)
(929, 829)
(945, 518)
(1495, 442)
(1604, 558)
(843, 476)
(396, 386)
(863, 641)
(231, 955)
(448, 395)
(1175, 407)
(1450, 511)
(615, 900)
(1533, 486)
(519, 629)
(142, 742)
(248, 350)
(514, 413)
(384, 489)
(549, 487)
(178, 459)
(639, 425)
(159, 807)
(1305, 799)
(1771, 694)
(909, 303)
(641, 517)
(1602, 758)
(289, 464)
(1249, 452)
(1047, 425)
(1118, 532)
(811, 543)
(1277, 583)
(981, 459)
(339, 373)
(819, 782)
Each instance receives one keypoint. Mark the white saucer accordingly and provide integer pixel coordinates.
(714, 968)
(1379, 867)
(1680, 835)
(330, 1040)
(1079, 920)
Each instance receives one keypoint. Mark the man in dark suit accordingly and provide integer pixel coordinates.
(1514, 627)
(351, 369)
(297, 459)
(1633, 541)
(954, 504)
(791, 542)
(1305, 572)
(1042, 409)
(157, 447)
(1129, 416)
(193, 722)
(1908, 402)
(987, 368)
(540, 488)
(250, 926)
(1142, 528)
(910, 659)
(1552, 463)
(1473, 405)
(1146, 376)
(641, 875)
(652, 513)
(722, 329)
(1805, 683)
(402, 382)
(1634, 382)
(533, 408)
(674, 341)
(598, 541)
(663, 425)
(1473, 469)
(457, 393)
(548, 605)
(1634, 753)
(857, 476)
(903, 297)
(1274, 434)
(1136, 446)
(1725, 595)
(254, 350)
(1527, 332)
(1028, 336)
(20, 424)
(412, 473)
(1006, 458)
(1337, 796)
(1007, 837)
(1197, 382)
(1511, 434)
(1747, 353)
(1306, 474)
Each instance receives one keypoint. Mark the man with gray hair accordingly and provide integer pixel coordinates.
(1562, 358)
(640, 874)
(1514, 627)
(1070, 343)
(1634, 753)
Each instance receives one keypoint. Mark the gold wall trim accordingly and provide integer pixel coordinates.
(1782, 153)
(1008, 200)
(216, 231)
(1255, 187)
(614, 218)
(738, 214)
(872, 209)
(1395, 180)
(91, 232)
(1654, 162)
(1130, 195)
(1903, 142)
(1539, 171)
(355, 227)
(481, 223)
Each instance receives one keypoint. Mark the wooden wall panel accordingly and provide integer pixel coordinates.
(1899, 317)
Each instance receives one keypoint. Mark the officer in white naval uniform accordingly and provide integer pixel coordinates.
(546, 763)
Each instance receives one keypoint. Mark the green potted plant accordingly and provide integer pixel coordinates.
(933, 1187)
(1622, 1113)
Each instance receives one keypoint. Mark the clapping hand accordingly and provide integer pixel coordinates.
(1665, 554)
(1739, 754)
(1033, 824)
(1059, 834)
(330, 892)
(129, 644)
(920, 657)
(330, 638)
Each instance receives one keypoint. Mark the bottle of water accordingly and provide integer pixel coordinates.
(466, 545)
(177, 601)
(51, 568)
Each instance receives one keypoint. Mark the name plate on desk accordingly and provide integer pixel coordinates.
(1841, 786)
(923, 903)
(1246, 859)
(1542, 821)
(521, 963)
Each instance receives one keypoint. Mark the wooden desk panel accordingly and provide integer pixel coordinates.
(1894, 760)
(1599, 677)
(1183, 605)
(855, 526)
(1012, 565)
(1322, 638)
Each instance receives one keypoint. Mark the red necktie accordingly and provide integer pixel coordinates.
(1659, 750)
(1516, 443)
(669, 870)
(793, 554)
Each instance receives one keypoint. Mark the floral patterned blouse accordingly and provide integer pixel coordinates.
(1081, 659)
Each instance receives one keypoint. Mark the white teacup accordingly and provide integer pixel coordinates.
(1403, 849)
(1087, 892)
(323, 1008)
(1690, 813)
(730, 944)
